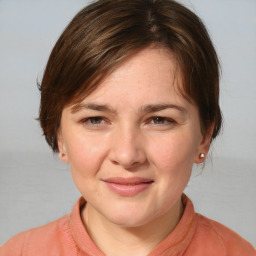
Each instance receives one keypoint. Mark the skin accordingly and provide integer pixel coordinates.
(144, 129)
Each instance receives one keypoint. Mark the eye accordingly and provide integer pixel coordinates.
(158, 120)
(94, 121)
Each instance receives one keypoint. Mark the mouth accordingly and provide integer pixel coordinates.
(128, 186)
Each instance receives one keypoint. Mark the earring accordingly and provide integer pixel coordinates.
(201, 155)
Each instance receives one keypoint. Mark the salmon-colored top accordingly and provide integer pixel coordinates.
(194, 235)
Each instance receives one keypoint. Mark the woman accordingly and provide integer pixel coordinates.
(129, 99)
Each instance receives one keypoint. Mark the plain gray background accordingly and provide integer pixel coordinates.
(35, 188)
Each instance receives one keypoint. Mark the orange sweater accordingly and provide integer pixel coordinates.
(194, 235)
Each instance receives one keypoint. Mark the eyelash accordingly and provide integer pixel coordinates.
(163, 120)
(96, 121)
(89, 121)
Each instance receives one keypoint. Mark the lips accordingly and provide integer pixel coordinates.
(128, 186)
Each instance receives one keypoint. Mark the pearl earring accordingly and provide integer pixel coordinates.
(201, 155)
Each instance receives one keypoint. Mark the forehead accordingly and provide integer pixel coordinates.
(153, 70)
(152, 62)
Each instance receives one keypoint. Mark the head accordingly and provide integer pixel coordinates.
(106, 33)
(130, 96)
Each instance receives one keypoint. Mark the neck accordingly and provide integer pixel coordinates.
(129, 240)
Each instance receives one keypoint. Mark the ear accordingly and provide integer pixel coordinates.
(203, 147)
(62, 148)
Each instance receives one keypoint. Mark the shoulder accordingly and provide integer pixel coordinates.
(45, 237)
(219, 237)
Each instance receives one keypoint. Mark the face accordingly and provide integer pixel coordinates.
(132, 142)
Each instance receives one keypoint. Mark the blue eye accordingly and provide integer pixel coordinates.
(161, 120)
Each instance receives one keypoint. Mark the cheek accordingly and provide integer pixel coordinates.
(173, 153)
(85, 154)
(173, 157)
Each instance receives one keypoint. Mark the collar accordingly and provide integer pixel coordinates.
(174, 244)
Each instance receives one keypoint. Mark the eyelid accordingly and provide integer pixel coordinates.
(103, 121)
(170, 121)
(86, 121)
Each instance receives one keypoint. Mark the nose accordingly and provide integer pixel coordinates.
(127, 148)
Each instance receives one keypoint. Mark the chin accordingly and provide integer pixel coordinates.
(128, 221)
(129, 217)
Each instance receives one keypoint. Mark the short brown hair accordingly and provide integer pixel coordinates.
(105, 33)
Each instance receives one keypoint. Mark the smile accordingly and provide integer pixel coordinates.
(128, 186)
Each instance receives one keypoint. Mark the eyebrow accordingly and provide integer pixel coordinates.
(150, 108)
(92, 106)
(158, 107)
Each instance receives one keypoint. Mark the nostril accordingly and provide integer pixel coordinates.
(115, 162)
(127, 151)
(128, 166)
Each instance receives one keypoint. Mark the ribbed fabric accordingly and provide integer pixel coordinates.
(195, 235)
